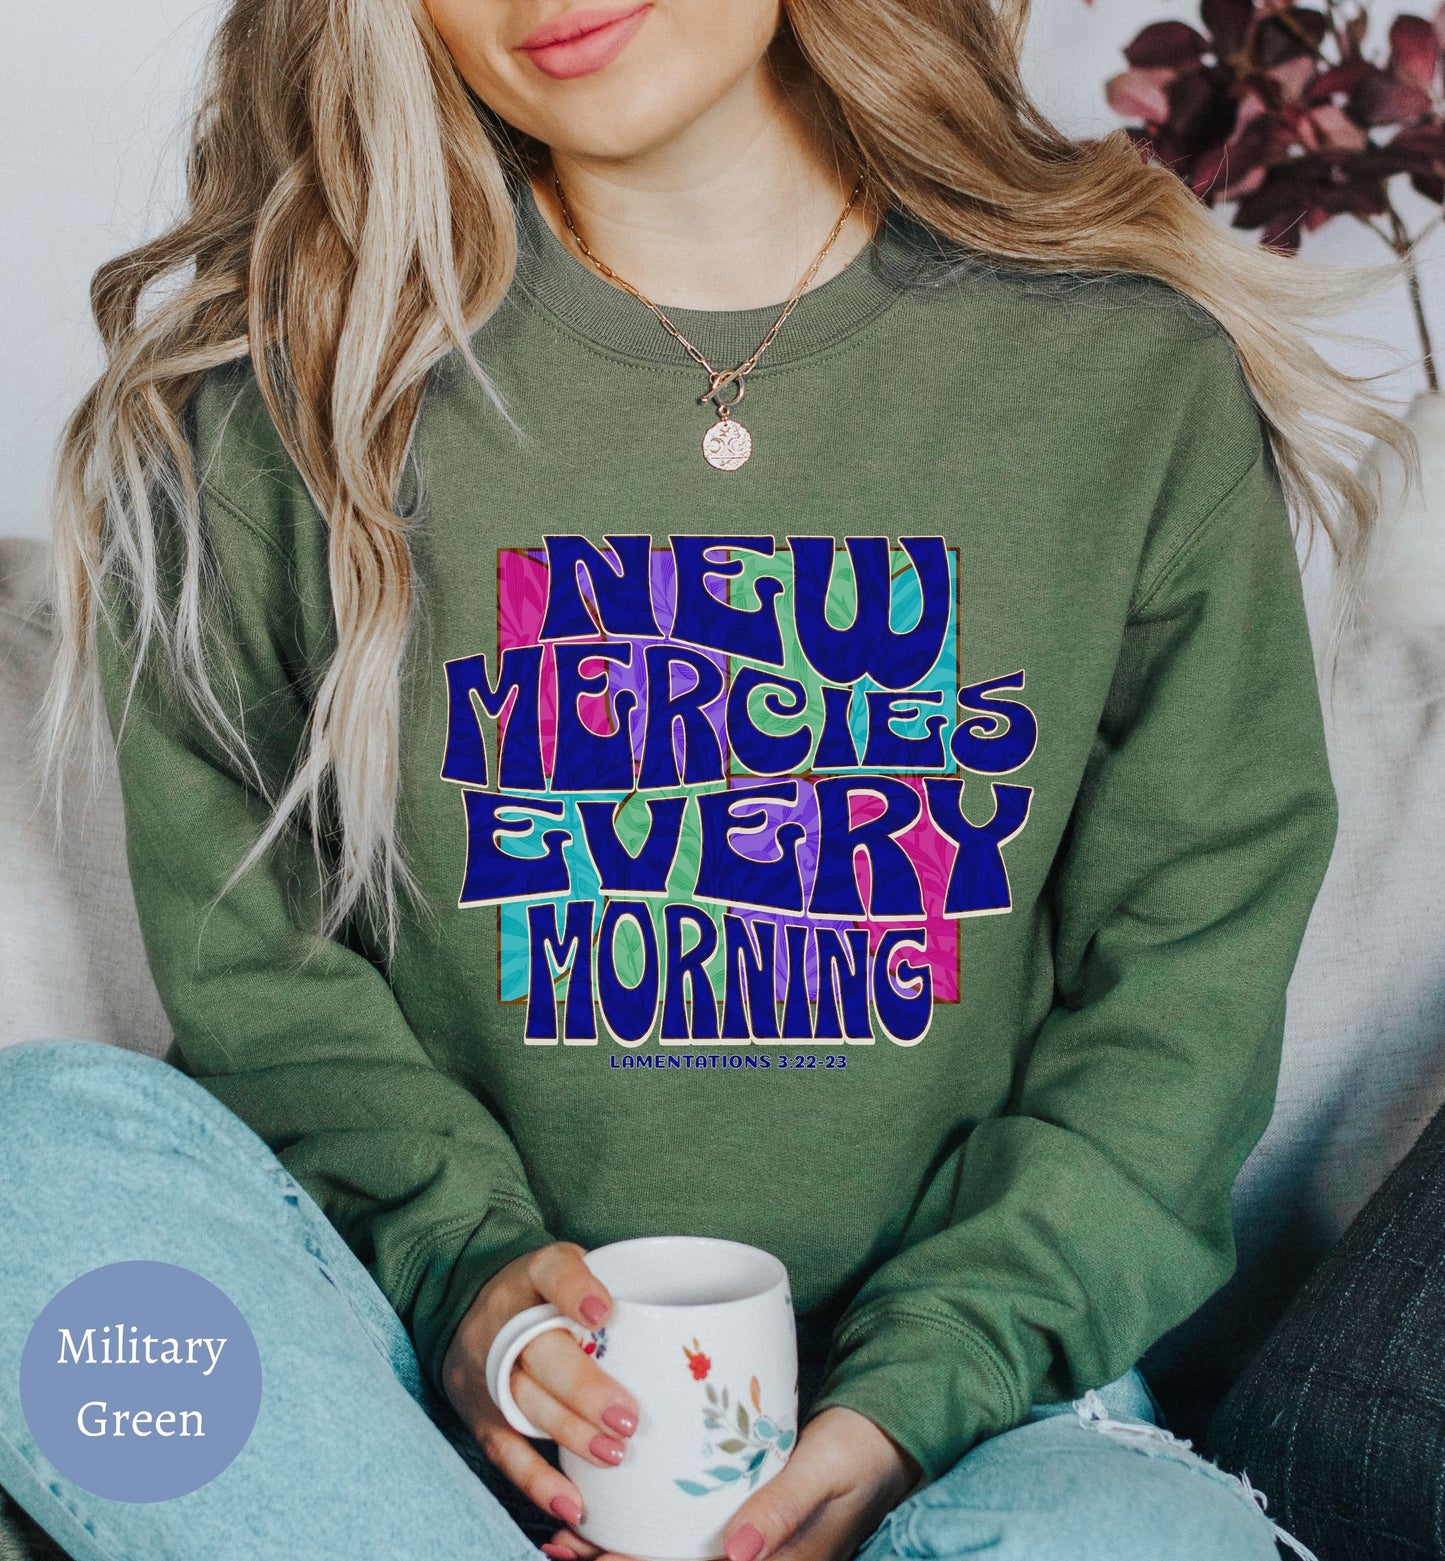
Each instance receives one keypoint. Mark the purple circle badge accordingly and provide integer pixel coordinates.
(140, 1381)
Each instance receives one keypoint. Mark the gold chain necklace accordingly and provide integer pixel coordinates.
(727, 444)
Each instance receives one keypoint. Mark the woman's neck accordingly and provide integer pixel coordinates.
(727, 214)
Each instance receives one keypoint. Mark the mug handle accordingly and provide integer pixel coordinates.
(512, 1338)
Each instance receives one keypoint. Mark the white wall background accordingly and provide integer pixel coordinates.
(93, 122)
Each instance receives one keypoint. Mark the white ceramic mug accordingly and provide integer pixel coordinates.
(702, 1334)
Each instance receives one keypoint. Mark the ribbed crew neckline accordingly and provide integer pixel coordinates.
(605, 315)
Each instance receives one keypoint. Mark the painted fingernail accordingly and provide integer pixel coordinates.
(744, 1544)
(567, 1510)
(593, 1310)
(607, 1447)
(620, 1418)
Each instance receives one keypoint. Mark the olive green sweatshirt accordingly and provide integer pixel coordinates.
(891, 852)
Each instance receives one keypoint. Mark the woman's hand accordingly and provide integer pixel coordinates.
(844, 1477)
(558, 1386)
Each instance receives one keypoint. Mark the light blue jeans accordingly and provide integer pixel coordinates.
(107, 1155)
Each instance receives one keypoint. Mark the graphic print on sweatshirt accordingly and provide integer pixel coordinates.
(741, 794)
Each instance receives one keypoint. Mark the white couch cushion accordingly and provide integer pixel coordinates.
(71, 960)
(1363, 1069)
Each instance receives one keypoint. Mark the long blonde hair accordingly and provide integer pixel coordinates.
(349, 223)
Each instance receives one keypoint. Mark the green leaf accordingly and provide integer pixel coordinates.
(711, 1395)
(764, 1428)
(785, 1441)
(732, 1445)
(742, 1420)
(722, 1472)
(692, 1487)
(725, 1398)
(756, 1460)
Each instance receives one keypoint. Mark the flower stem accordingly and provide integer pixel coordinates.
(1399, 240)
(1404, 247)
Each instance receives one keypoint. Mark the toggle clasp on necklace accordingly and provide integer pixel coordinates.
(719, 381)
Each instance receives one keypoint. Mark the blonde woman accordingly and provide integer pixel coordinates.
(874, 819)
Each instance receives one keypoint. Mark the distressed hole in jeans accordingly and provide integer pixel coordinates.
(1157, 1442)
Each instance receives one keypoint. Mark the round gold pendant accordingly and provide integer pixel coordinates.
(727, 444)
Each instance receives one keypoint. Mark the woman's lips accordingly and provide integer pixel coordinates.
(583, 41)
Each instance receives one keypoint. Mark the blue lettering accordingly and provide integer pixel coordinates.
(902, 1013)
(619, 871)
(468, 687)
(870, 645)
(978, 884)
(895, 890)
(1003, 733)
(628, 1010)
(851, 976)
(622, 592)
(752, 964)
(572, 953)
(836, 748)
(797, 1018)
(702, 754)
(584, 761)
(762, 752)
(704, 619)
(685, 973)
(889, 750)
(494, 875)
(725, 874)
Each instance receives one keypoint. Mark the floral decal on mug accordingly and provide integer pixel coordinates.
(730, 1429)
(596, 1345)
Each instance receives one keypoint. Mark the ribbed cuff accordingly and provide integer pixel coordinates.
(934, 1385)
(489, 1247)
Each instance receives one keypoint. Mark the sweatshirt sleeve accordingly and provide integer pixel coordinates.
(301, 1037)
(1095, 1214)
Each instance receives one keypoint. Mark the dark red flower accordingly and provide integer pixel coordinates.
(1273, 106)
